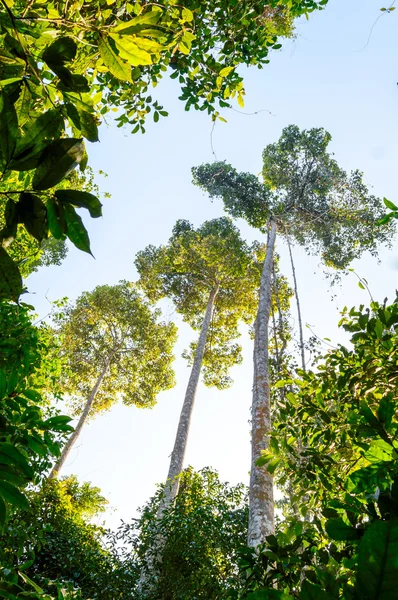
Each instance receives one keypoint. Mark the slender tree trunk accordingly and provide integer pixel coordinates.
(154, 556)
(261, 493)
(180, 444)
(86, 410)
(300, 322)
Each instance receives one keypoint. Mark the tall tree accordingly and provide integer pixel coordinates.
(212, 277)
(116, 348)
(304, 195)
(63, 65)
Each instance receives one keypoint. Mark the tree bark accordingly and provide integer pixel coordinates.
(261, 493)
(298, 307)
(180, 444)
(86, 410)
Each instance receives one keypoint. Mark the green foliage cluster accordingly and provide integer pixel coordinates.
(55, 540)
(63, 65)
(334, 444)
(204, 531)
(31, 432)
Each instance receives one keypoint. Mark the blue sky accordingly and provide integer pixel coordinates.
(331, 75)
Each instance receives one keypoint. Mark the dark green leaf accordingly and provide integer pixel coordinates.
(17, 458)
(32, 213)
(386, 411)
(8, 129)
(3, 384)
(3, 514)
(310, 591)
(56, 219)
(340, 531)
(11, 494)
(378, 562)
(58, 159)
(269, 594)
(36, 138)
(59, 52)
(10, 278)
(76, 231)
(9, 474)
(82, 200)
(88, 126)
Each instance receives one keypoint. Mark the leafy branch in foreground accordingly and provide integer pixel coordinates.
(63, 66)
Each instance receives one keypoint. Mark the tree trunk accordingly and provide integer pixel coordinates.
(154, 556)
(298, 308)
(180, 444)
(261, 493)
(86, 410)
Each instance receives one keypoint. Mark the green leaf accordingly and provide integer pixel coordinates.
(57, 161)
(130, 51)
(386, 411)
(11, 494)
(3, 384)
(32, 213)
(88, 126)
(9, 131)
(150, 17)
(31, 583)
(269, 594)
(380, 451)
(55, 422)
(311, 591)
(31, 145)
(226, 71)
(10, 278)
(59, 52)
(118, 67)
(385, 219)
(187, 15)
(8, 590)
(15, 457)
(378, 562)
(24, 104)
(3, 514)
(37, 446)
(9, 474)
(56, 219)
(389, 204)
(76, 231)
(82, 200)
(340, 531)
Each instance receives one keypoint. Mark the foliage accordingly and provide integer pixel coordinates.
(55, 541)
(64, 64)
(335, 443)
(194, 262)
(204, 531)
(25, 250)
(115, 323)
(314, 202)
(31, 434)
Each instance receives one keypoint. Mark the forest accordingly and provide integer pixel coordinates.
(180, 232)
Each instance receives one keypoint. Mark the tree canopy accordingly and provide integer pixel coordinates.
(116, 323)
(313, 201)
(194, 262)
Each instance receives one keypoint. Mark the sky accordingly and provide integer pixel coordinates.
(340, 73)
